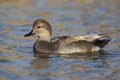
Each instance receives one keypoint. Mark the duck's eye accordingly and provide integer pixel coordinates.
(39, 27)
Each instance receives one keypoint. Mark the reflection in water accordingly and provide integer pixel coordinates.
(67, 66)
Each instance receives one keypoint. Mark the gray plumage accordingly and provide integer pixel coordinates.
(64, 44)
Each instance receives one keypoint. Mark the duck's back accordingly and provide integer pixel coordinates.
(88, 43)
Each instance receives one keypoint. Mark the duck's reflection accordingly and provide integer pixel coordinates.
(54, 64)
(48, 57)
(41, 60)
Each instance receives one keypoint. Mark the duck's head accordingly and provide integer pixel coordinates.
(42, 29)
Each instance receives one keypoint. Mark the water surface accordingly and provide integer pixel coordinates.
(68, 17)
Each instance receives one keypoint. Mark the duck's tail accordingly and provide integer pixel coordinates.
(102, 40)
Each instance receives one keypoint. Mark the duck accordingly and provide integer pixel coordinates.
(64, 44)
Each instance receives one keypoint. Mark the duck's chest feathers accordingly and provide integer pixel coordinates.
(45, 46)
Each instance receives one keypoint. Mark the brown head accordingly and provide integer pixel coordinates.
(42, 29)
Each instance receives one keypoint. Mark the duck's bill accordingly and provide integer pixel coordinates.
(30, 34)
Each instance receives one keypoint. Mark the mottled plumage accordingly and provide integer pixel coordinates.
(64, 44)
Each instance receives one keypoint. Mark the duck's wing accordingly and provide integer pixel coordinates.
(91, 37)
(58, 38)
(99, 40)
(68, 39)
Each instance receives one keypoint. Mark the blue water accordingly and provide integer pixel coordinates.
(67, 17)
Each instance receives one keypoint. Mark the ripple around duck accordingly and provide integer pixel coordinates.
(68, 17)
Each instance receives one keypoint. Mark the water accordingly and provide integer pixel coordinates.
(68, 17)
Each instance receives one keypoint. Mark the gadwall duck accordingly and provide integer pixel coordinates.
(64, 44)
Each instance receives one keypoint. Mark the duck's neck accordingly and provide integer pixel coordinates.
(44, 35)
